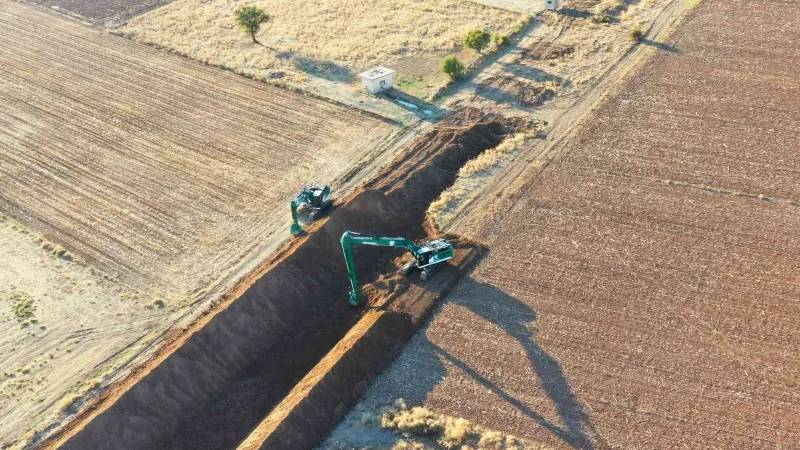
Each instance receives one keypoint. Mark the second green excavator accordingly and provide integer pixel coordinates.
(427, 255)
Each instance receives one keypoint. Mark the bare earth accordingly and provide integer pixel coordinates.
(169, 179)
(641, 290)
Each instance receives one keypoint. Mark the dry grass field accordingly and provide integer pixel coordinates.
(311, 42)
(163, 180)
(642, 290)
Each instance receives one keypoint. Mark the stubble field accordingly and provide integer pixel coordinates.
(145, 185)
(642, 290)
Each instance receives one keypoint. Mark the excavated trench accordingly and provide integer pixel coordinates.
(230, 372)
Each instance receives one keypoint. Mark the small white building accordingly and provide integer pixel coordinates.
(552, 5)
(377, 79)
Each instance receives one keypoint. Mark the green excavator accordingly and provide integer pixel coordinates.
(427, 255)
(315, 198)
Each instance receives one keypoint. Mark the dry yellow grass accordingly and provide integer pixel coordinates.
(333, 39)
(422, 429)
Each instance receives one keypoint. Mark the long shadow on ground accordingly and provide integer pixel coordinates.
(515, 318)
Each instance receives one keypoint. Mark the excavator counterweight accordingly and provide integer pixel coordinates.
(427, 255)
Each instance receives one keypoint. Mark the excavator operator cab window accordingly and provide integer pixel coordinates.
(316, 198)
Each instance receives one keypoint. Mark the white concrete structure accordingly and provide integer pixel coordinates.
(377, 79)
(551, 4)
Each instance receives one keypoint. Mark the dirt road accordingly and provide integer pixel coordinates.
(641, 289)
(169, 179)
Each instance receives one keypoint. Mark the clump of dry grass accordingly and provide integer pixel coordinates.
(22, 307)
(68, 401)
(471, 178)
(490, 158)
(422, 429)
(328, 38)
(445, 201)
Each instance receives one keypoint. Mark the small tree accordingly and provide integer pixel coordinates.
(250, 18)
(477, 40)
(636, 34)
(500, 40)
(453, 67)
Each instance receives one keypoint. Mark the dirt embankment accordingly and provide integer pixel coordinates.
(236, 365)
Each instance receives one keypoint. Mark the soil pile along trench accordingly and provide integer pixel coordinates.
(229, 373)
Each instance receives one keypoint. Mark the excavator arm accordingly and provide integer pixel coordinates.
(426, 257)
(350, 238)
(296, 228)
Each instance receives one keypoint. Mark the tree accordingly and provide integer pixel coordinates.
(636, 34)
(453, 67)
(500, 40)
(250, 18)
(477, 40)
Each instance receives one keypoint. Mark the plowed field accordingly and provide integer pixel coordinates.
(642, 291)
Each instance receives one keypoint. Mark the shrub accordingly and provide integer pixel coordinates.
(477, 40)
(636, 34)
(250, 18)
(601, 18)
(453, 67)
(500, 40)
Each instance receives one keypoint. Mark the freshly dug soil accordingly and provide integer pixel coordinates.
(235, 366)
(323, 397)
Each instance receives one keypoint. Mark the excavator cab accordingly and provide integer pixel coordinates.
(427, 257)
(314, 198)
(433, 252)
(320, 194)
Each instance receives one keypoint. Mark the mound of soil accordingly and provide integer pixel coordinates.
(232, 368)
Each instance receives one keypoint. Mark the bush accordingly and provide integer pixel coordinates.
(601, 18)
(636, 34)
(453, 67)
(250, 18)
(477, 40)
(500, 40)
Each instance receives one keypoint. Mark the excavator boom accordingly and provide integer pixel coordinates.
(427, 255)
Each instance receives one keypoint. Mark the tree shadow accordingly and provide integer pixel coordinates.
(517, 85)
(517, 319)
(530, 72)
(425, 360)
(574, 13)
(661, 46)
(325, 69)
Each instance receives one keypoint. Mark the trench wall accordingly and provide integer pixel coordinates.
(220, 384)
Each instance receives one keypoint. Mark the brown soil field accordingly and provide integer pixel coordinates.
(106, 13)
(216, 382)
(641, 289)
(162, 179)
